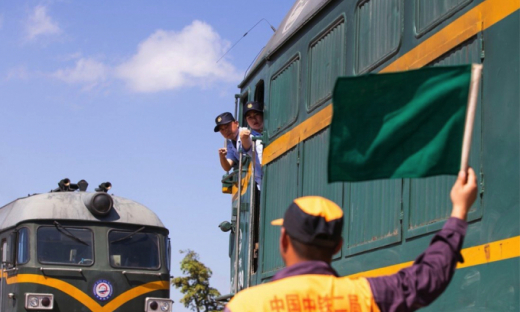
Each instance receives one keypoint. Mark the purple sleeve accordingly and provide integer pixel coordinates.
(417, 286)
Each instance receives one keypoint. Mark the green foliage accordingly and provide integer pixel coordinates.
(198, 295)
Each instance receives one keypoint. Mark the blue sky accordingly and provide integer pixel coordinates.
(127, 92)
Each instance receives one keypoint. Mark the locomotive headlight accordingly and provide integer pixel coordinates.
(165, 306)
(99, 204)
(45, 301)
(158, 304)
(35, 301)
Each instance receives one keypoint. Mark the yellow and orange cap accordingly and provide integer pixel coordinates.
(313, 220)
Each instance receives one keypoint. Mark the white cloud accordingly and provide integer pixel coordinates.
(40, 23)
(18, 73)
(87, 71)
(169, 60)
(69, 57)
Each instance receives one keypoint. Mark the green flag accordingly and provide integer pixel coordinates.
(398, 125)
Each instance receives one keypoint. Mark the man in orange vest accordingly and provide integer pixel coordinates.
(311, 235)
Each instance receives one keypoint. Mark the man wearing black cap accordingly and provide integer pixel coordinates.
(235, 137)
(311, 235)
(254, 116)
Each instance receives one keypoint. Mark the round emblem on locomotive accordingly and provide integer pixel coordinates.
(219, 119)
(103, 290)
(249, 105)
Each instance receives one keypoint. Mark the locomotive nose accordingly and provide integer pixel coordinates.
(99, 204)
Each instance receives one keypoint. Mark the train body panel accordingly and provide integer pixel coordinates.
(390, 222)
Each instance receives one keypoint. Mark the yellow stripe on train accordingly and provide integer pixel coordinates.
(83, 298)
(245, 183)
(491, 252)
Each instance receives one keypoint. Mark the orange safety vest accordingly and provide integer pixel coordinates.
(307, 293)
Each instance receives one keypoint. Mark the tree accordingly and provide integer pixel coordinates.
(198, 295)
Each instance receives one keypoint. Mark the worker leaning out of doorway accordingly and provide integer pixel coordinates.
(254, 116)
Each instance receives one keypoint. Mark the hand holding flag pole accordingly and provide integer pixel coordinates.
(476, 72)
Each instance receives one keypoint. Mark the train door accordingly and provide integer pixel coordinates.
(241, 235)
(254, 209)
(3, 284)
(7, 251)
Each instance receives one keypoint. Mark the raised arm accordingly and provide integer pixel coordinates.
(245, 137)
(419, 285)
(225, 162)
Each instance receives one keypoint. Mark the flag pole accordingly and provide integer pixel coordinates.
(476, 71)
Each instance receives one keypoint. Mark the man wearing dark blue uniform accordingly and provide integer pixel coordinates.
(236, 138)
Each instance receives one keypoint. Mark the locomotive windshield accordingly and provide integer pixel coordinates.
(65, 245)
(23, 246)
(137, 250)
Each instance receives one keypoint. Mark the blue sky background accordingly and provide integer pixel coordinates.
(127, 92)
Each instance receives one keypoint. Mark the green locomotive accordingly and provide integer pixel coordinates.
(70, 250)
(387, 222)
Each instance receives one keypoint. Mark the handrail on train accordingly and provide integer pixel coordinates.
(225, 298)
(60, 269)
(141, 273)
(230, 177)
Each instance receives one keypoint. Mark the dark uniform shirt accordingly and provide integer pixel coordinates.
(316, 284)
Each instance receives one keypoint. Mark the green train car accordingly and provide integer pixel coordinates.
(387, 222)
(70, 250)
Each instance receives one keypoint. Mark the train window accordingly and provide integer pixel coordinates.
(429, 14)
(374, 215)
(133, 250)
(259, 91)
(65, 245)
(22, 255)
(281, 188)
(379, 32)
(282, 109)
(326, 63)
(314, 163)
(4, 250)
(244, 98)
(168, 252)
